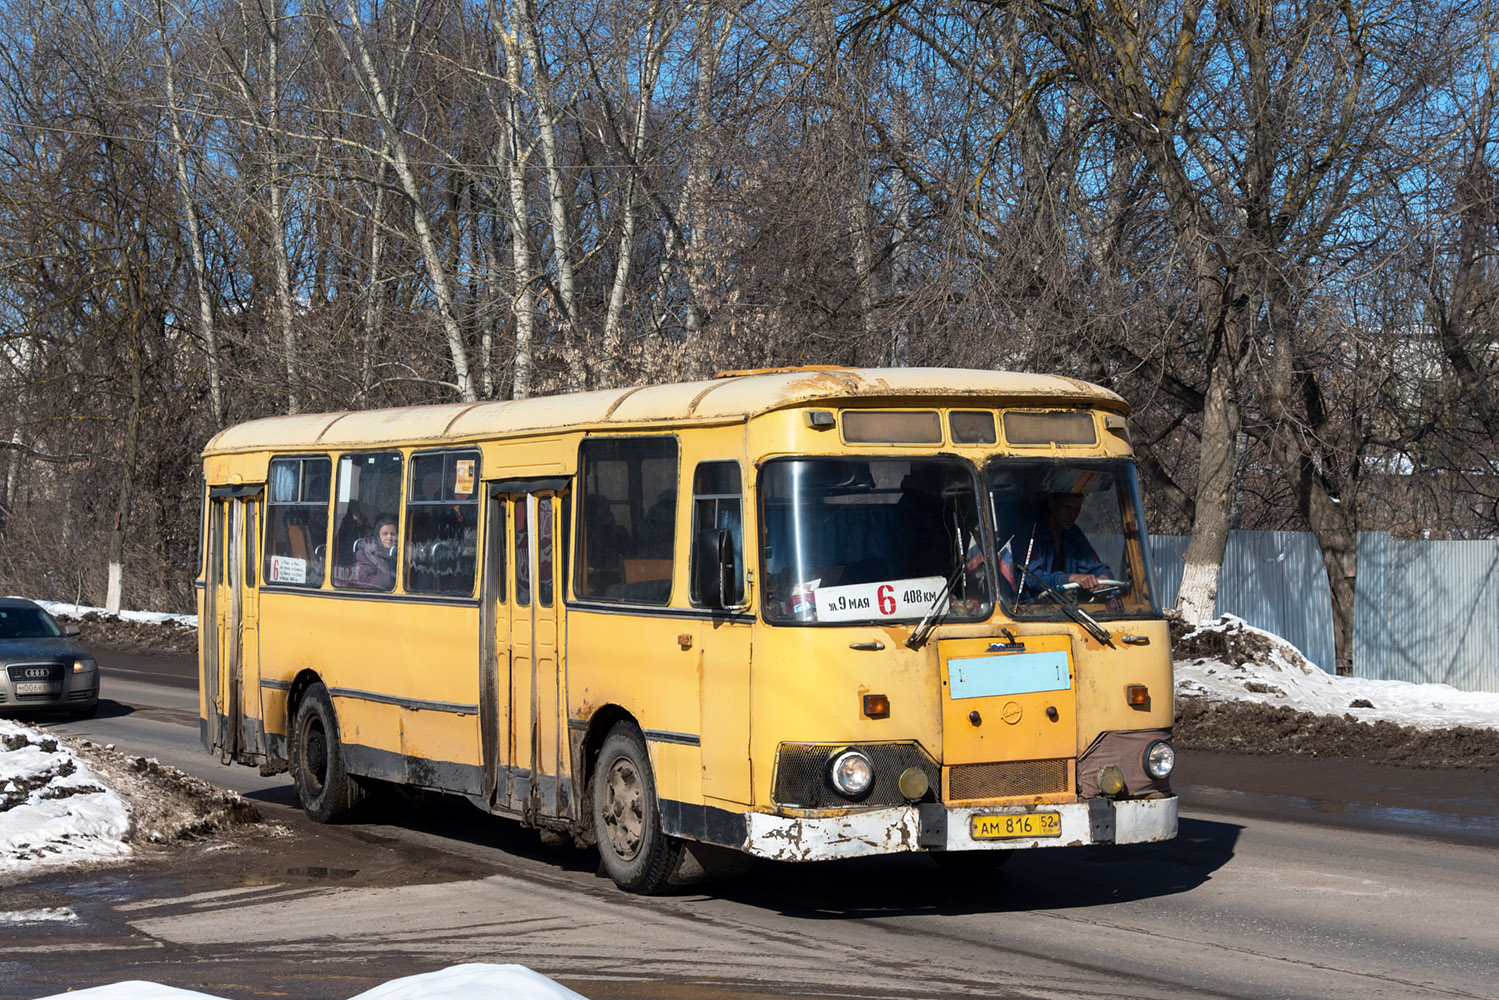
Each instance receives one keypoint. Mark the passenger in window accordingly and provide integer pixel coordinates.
(375, 558)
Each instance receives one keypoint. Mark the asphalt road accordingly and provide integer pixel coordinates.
(1289, 879)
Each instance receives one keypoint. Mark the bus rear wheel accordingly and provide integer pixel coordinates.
(636, 853)
(327, 793)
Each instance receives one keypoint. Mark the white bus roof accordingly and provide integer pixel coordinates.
(730, 398)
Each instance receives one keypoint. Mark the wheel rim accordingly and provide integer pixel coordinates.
(315, 756)
(624, 809)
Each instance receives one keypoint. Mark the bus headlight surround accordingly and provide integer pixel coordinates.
(851, 774)
(1160, 758)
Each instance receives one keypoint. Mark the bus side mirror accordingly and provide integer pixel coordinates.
(714, 569)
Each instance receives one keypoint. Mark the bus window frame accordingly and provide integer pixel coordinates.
(695, 532)
(580, 496)
(408, 491)
(270, 503)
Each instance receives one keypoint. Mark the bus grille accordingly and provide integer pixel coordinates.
(801, 773)
(1006, 779)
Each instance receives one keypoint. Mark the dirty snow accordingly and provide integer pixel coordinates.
(477, 981)
(1262, 667)
(60, 610)
(53, 808)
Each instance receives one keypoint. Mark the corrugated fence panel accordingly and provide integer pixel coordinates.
(1166, 566)
(1428, 611)
(1274, 580)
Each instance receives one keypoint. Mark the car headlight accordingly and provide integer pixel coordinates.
(851, 774)
(84, 664)
(1160, 758)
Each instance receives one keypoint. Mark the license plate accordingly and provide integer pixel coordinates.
(37, 687)
(1041, 824)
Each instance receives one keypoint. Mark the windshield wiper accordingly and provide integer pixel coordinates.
(1072, 611)
(938, 611)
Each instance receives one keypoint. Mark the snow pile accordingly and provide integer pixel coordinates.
(53, 808)
(58, 610)
(1230, 660)
(461, 982)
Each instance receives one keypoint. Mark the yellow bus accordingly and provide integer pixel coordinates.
(804, 614)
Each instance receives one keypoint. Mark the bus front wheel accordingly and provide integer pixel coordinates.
(327, 793)
(636, 853)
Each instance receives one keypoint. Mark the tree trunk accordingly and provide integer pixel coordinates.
(126, 494)
(393, 140)
(194, 234)
(573, 343)
(1203, 561)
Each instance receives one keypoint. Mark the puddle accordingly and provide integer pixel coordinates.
(318, 871)
(1477, 825)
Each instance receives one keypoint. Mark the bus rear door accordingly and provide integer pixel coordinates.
(524, 683)
(231, 676)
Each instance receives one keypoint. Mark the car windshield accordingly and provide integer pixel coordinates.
(1069, 534)
(848, 540)
(27, 623)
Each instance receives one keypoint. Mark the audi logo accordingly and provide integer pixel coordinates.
(38, 671)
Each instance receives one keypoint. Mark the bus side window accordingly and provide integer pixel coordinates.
(627, 519)
(297, 521)
(442, 520)
(716, 507)
(364, 550)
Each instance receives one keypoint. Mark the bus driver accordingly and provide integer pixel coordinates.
(1058, 552)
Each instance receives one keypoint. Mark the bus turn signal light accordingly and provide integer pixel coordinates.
(1137, 696)
(876, 706)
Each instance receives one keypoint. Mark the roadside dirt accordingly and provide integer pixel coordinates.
(166, 804)
(1248, 728)
(111, 632)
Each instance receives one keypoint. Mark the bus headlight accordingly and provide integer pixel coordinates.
(851, 774)
(1160, 758)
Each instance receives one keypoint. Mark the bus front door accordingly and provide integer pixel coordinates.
(525, 730)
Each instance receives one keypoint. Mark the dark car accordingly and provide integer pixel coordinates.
(41, 667)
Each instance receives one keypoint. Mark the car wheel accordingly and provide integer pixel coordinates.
(636, 853)
(327, 793)
(85, 711)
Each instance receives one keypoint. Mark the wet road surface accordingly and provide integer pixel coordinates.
(1289, 878)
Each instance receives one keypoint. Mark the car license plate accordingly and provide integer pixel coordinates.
(1023, 826)
(37, 687)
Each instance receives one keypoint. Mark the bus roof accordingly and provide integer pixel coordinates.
(731, 398)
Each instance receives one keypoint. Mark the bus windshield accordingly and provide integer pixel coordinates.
(1069, 533)
(849, 540)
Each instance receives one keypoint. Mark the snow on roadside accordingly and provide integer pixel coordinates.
(60, 610)
(54, 809)
(476, 981)
(1230, 660)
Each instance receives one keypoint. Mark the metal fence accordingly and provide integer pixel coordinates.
(1427, 611)
(1424, 611)
(1274, 580)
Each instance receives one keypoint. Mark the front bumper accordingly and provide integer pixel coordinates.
(934, 827)
(65, 689)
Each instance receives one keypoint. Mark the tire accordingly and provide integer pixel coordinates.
(970, 864)
(86, 712)
(327, 793)
(636, 853)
